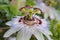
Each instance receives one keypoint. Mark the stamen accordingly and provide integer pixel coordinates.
(25, 7)
(38, 9)
(22, 8)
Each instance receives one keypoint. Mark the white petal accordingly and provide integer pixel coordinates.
(14, 20)
(41, 5)
(36, 16)
(24, 34)
(52, 16)
(46, 15)
(56, 13)
(13, 30)
(40, 28)
(12, 38)
(47, 33)
(38, 1)
(45, 24)
(38, 34)
(48, 37)
(44, 21)
(8, 23)
(51, 13)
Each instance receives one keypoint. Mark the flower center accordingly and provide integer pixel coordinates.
(28, 12)
(30, 22)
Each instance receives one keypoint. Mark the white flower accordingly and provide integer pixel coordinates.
(47, 10)
(37, 27)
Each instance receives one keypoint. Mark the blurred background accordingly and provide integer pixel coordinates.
(6, 14)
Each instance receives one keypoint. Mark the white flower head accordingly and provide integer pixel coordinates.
(47, 10)
(27, 27)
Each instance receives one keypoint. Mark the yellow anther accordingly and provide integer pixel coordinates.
(24, 10)
(37, 11)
